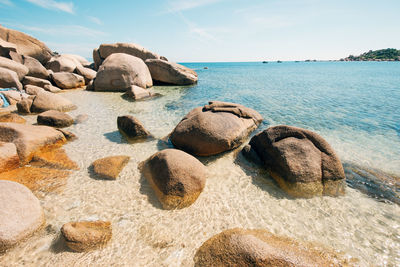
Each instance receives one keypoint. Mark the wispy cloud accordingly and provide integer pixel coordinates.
(95, 20)
(82, 49)
(54, 5)
(6, 3)
(181, 5)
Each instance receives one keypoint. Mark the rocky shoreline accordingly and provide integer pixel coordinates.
(32, 159)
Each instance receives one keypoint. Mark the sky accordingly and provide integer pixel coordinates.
(212, 30)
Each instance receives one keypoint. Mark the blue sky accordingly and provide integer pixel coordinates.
(212, 30)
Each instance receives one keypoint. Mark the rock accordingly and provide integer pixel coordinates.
(35, 68)
(55, 118)
(12, 96)
(9, 78)
(301, 161)
(132, 49)
(47, 101)
(12, 117)
(240, 247)
(33, 89)
(90, 86)
(77, 58)
(54, 159)
(51, 88)
(119, 71)
(6, 48)
(67, 134)
(97, 59)
(81, 118)
(26, 45)
(176, 177)
(86, 73)
(8, 157)
(110, 167)
(18, 68)
(20, 214)
(137, 93)
(171, 73)
(24, 106)
(16, 57)
(66, 80)
(30, 139)
(214, 128)
(61, 63)
(29, 80)
(86, 235)
(132, 127)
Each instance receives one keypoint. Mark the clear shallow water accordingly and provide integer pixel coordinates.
(353, 105)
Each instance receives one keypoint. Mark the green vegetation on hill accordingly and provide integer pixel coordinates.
(389, 54)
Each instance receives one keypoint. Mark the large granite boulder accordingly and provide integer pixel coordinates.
(301, 161)
(35, 68)
(67, 80)
(18, 68)
(20, 214)
(240, 247)
(171, 73)
(8, 157)
(26, 45)
(131, 127)
(120, 71)
(6, 48)
(109, 167)
(176, 177)
(86, 235)
(55, 118)
(9, 78)
(61, 63)
(30, 139)
(97, 59)
(132, 49)
(214, 128)
(86, 73)
(47, 101)
(29, 80)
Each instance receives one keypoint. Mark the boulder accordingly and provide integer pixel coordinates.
(35, 81)
(132, 49)
(137, 93)
(132, 127)
(51, 88)
(12, 96)
(18, 68)
(20, 214)
(35, 68)
(176, 177)
(8, 157)
(26, 45)
(11, 117)
(24, 106)
(16, 57)
(30, 139)
(86, 73)
(214, 128)
(109, 167)
(86, 235)
(301, 161)
(240, 247)
(97, 59)
(61, 63)
(9, 78)
(66, 80)
(6, 48)
(33, 89)
(55, 118)
(171, 73)
(120, 71)
(47, 101)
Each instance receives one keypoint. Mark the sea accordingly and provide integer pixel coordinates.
(355, 106)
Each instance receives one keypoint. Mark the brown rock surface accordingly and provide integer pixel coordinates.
(132, 127)
(138, 93)
(55, 159)
(132, 49)
(12, 96)
(24, 106)
(8, 157)
(12, 117)
(171, 73)
(86, 73)
(35, 68)
(61, 63)
(214, 128)
(110, 167)
(33, 89)
(176, 177)
(66, 80)
(49, 101)
(18, 68)
(29, 80)
(9, 78)
(86, 235)
(55, 118)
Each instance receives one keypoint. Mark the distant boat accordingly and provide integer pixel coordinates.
(265, 62)
(279, 61)
(297, 61)
(206, 68)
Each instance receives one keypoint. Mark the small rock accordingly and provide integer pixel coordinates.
(8, 157)
(67, 134)
(137, 93)
(81, 118)
(86, 73)
(55, 118)
(110, 167)
(132, 127)
(24, 106)
(86, 235)
(12, 117)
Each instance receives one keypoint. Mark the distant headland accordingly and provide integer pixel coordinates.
(389, 54)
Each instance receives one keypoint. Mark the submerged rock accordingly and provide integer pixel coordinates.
(9, 78)
(176, 177)
(214, 128)
(55, 159)
(301, 161)
(66, 80)
(120, 71)
(240, 247)
(86, 235)
(20, 214)
(55, 118)
(132, 127)
(110, 167)
(171, 73)
(8, 157)
(12, 117)
(138, 93)
(49, 101)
